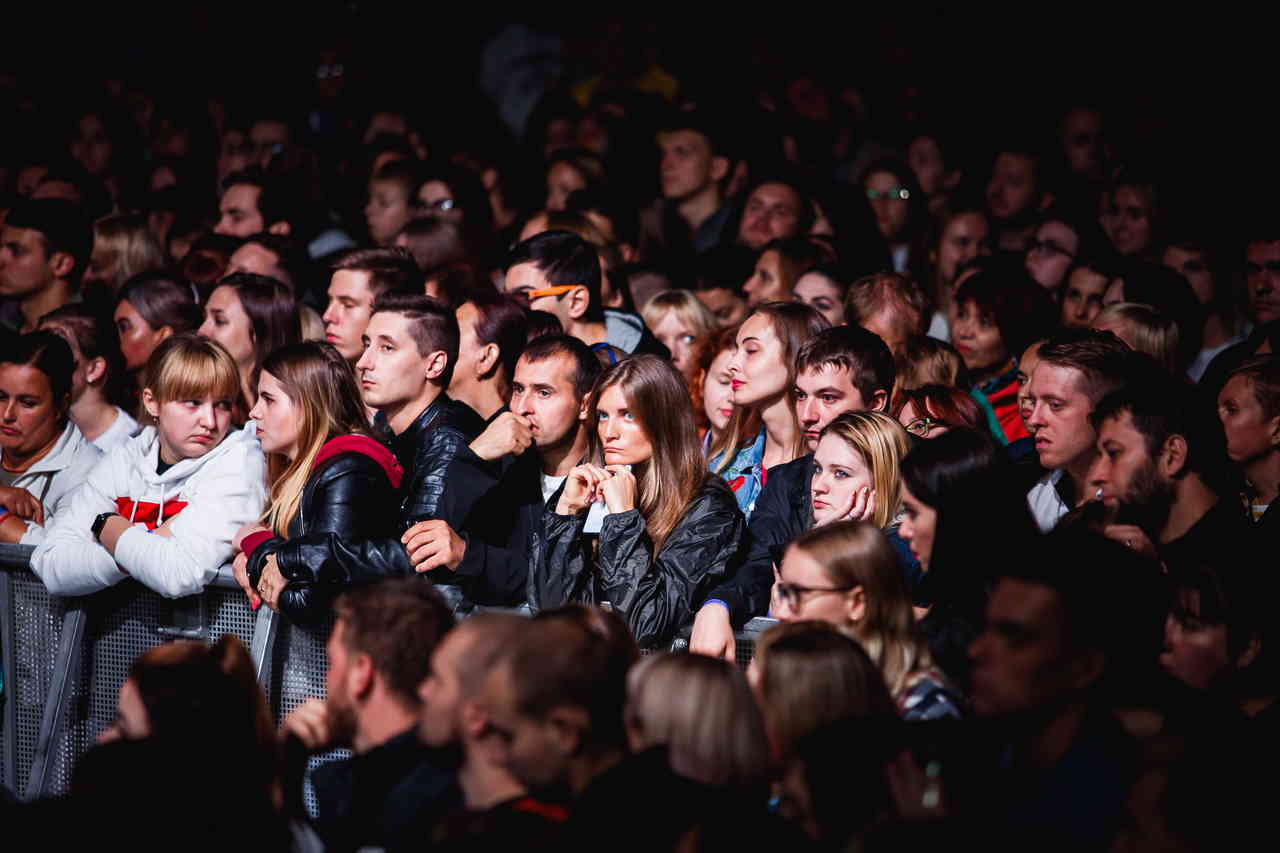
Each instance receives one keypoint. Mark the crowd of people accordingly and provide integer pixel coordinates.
(994, 437)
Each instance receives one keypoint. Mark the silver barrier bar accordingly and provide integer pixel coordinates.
(9, 747)
(65, 676)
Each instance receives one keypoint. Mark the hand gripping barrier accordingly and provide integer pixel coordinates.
(63, 660)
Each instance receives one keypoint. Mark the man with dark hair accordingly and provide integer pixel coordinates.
(695, 170)
(888, 304)
(527, 453)
(1052, 643)
(411, 343)
(497, 808)
(253, 202)
(559, 272)
(44, 248)
(359, 277)
(491, 333)
(1262, 273)
(277, 256)
(1077, 368)
(1016, 193)
(776, 208)
(844, 369)
(379, 652)
(1156, 446)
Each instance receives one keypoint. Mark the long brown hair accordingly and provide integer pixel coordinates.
(671, 478)
(322, 386)
(793, 323)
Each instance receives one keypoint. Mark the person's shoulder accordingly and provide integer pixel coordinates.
(459, 416)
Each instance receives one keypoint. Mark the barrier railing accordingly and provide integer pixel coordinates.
(65, 659)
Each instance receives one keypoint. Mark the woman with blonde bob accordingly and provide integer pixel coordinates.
(847, 575)
(763, 430)
(855, 470)
(702, 710)
(123, 246)
(669, 529)
(1144, 329)
(328, 475)
(684, 325)
(164, 507)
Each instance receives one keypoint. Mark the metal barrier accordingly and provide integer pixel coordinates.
(65, 659)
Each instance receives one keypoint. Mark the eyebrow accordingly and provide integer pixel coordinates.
(386, 338)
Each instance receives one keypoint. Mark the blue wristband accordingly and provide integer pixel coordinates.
(3, 513)
(717, 601)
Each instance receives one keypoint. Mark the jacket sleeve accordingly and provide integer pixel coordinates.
(68, 560)
(354, 498)
(228, 495)
(560, 571)
(491, 575)
(448, 481)
(656, 596)
(746, 590)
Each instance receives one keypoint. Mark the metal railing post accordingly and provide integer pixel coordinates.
(65, 676)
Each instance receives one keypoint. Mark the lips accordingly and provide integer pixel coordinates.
(819, 504)
(736, 384)
(7, 431)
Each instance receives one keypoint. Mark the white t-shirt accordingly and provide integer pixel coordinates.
(549, 486)
(595, 514)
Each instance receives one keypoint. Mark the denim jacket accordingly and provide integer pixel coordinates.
(745, 474)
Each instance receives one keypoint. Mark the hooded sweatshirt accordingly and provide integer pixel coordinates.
(54, 478)
(208, 499)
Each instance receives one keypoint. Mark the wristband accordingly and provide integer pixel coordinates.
(723, 604)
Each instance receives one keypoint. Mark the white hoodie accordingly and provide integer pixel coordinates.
(53, 478)
(219, 493)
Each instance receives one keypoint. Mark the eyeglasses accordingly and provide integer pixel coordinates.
(792, 594)
(900, 193)
(441, 204)
(1051, 248)
(924, 425)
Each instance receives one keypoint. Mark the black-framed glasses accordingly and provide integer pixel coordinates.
(922, 426)
(1050, 247)
(899, 193)
(793, 594)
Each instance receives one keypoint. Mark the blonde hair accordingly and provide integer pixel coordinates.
(793, 323)
(928, 361)
(1148, 331)
(129, 246)
(692, 313)
(187, 366)
(812, 674)
(322, 387)
(856, 553)
(671, 478)
(702, 710)
(881, 442)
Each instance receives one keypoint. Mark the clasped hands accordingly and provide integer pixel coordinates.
(586, 484)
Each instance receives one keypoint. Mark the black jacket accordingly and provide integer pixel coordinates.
(655, 594)
(426, 451)
(349, 495)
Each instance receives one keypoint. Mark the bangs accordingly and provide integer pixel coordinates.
(193, 374)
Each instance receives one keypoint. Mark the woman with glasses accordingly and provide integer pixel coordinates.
(901, 214)
(847, 575)
(931, 410)
(999, 311)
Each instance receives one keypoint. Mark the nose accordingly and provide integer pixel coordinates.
(204, 330)
(330, 315)
(205, 413)
(1036, 420)
(8, 410)
(978, 648)
(808, 412)
(820, 486)
(362, 363)
(1098, 473)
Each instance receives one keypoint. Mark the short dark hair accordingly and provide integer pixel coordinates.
(163, 299)
(405, 172)
(291, 254)
(587, 367)
(1021, 309)
(432, 325)
(1161, 406)
(500, 320)
(61, 225)
(388, 269)
(398, 624)
(708, 125)
(1104, 361)
(864, 354)
(48, 353)
(276, 199)
(563, 258)
(557, 663)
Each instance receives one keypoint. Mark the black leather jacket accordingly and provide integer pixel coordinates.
(341, 557)
(349, 495)
(655, 593)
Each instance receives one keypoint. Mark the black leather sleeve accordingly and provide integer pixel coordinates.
(657, 594)
(448, 479)
(560, 570)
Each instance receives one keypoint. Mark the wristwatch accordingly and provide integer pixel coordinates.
(98, 523)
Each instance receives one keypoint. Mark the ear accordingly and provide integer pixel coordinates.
(489, 177)
(566, 724)
(437, 363)
(585, 409)
(879, 401)
(630, 254)
(1172, 460)
(856, 604)
(720, 168)
(284, 229)
(472, 721)
(488, 358)
(150, 403)
(360, 676)
(1250, 653)
(1274, 429)
(61, 264)
(164, 332)
(95, 370)
(579, 302)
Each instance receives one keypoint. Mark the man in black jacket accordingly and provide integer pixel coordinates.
(527, 452)
(411, 344)
(379, 652)
(839, 370)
